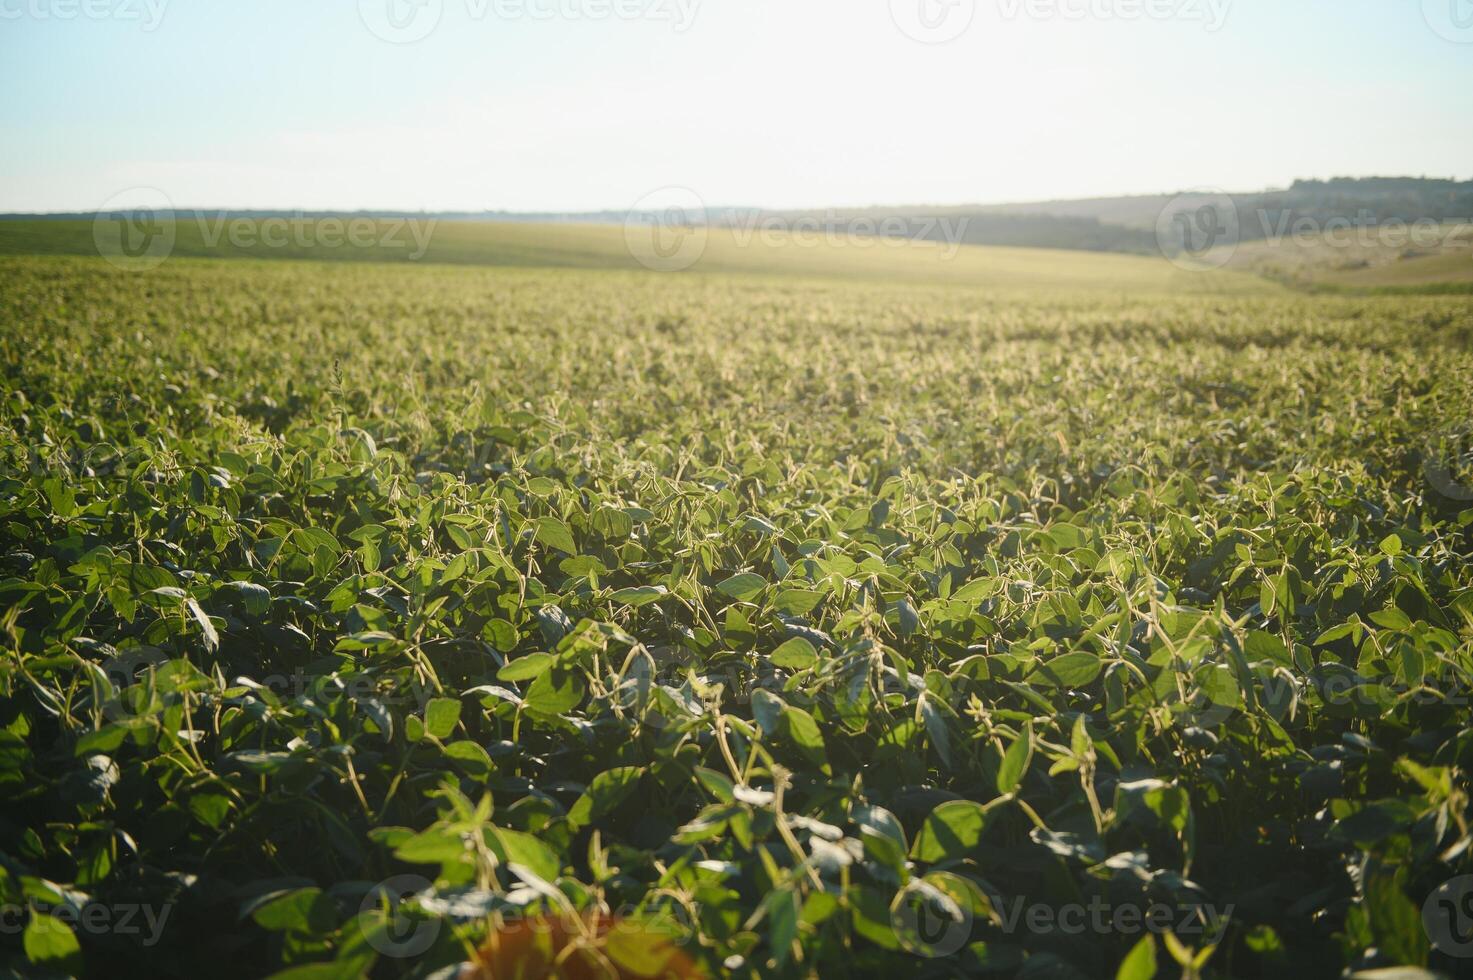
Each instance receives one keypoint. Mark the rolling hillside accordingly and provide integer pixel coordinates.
(710, 251)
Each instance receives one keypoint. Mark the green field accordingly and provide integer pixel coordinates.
(817, 611)
(720, 250)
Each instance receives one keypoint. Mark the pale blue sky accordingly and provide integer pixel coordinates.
(288, 103)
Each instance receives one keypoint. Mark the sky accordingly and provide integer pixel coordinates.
(569, 105)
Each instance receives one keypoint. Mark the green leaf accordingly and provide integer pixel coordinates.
(555, 534)
(767, 710)
(212, 638)
(1072, 670)
(803, 730)
(441, 717)
(259, 762)
(604, 794)
(743, 586)
(1396, 922)
(303, 910)
(526, 668)
(433, 846)
(472, 758)
(1391, 546)
(1172, 804)
(103, 740)
(50, 944)
(950, 832)
(555, 692)
(522, 848)
(716, 783)
(1015, 762)
(1392, 618)
(936, 728)
(255, 598)
(782, 923)
(1140, 962)
(795, 654)
(210, 808)
(797, 602)
(640, 951)
(976, 591)
(639, 595)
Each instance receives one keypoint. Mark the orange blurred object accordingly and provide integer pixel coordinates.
(593, 948)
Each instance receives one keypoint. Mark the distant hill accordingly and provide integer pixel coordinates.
(1138, 211)
(1104, 224)
(614, 249)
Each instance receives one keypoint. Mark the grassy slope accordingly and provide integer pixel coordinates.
(606, 247)
(1450, 267)
(1357, 265)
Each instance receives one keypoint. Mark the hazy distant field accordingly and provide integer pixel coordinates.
(815, 612)
(1441, 256)
(609, 247)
